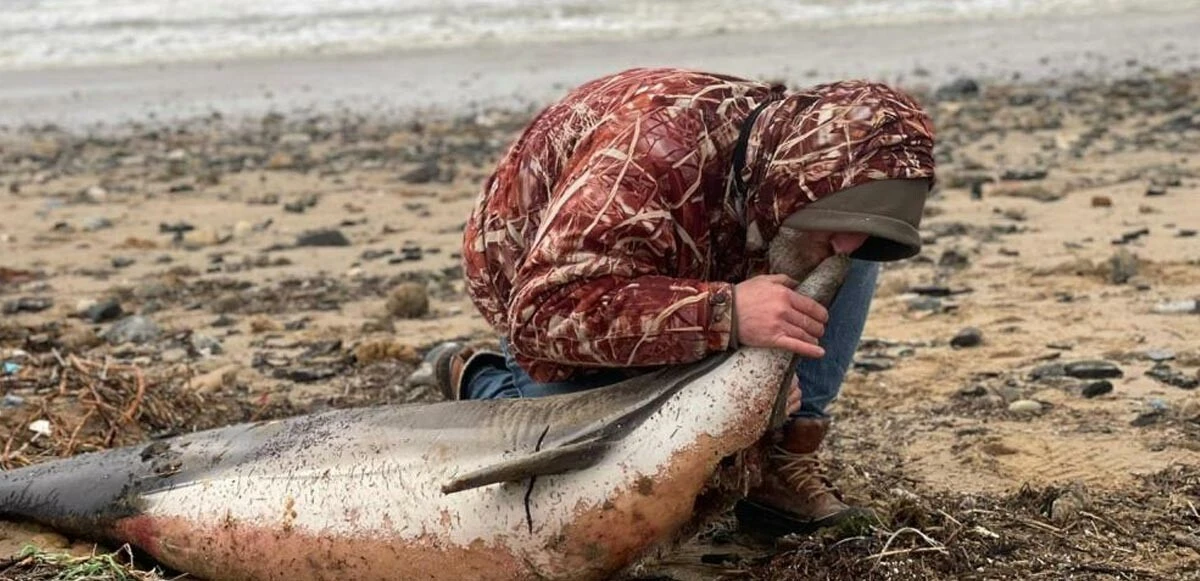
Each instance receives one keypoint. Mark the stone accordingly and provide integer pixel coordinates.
(78, 339)
(385, 350)
(103, 311)
(1048, 371)
(1097, 388)
(872, 364)
(422, 174)
(135, 329)
(27, 305)
(281, 160)
(1164, 373)
(1191, 306)
(968, 337)
(122, 261)
(953, 259)
(217, 379)
(1156, 190)
(205, 345)
(1025, 407)
(174, 355)
(960, 88)
(409, 300)
(1101, 202)
(1092, 370)
(1122, 267)
(97, 223)
(1159, 355)
(325, 237)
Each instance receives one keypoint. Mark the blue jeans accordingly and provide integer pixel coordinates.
(820, 379)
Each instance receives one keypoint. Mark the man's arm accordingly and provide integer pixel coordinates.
(595, 288)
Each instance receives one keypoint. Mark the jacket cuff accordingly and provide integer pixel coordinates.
(722, 323)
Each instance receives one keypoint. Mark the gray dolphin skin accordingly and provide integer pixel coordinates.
(577, 486)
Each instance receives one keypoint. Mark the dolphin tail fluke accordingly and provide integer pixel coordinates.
(557, 460)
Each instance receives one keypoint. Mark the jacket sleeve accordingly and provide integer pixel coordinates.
(596, 288)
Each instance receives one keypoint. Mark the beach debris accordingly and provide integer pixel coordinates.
(41, 428)
(11, 367)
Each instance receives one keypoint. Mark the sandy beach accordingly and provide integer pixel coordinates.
(259, 239)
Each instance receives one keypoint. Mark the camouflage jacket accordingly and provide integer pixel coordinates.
(611, 233)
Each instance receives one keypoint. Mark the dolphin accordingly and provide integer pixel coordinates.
(576, 486)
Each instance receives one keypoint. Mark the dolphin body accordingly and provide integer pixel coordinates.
(577, 486)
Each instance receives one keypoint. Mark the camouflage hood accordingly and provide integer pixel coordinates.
(829, 139)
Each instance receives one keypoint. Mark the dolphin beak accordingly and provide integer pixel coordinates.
(821, 285)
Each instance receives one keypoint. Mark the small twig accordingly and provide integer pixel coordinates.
(1106, 521)
(1040, 525)
(70, 447)
(137, 398)
(934, 545)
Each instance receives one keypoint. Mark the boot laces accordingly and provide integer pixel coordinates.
(805, 473)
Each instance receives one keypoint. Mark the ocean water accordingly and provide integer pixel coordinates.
(70, 33)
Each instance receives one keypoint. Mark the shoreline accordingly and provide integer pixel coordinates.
(471, 80)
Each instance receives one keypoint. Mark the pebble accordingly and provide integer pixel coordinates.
(1159, 355)
(1156, 190)
(960, 88)
(1185, 233)
(1025, 407)
(174, 355)
(411, 252)
(122, 261)
(1131, 236)
(103, 311)
(872, 364)
(953, 259)
(135, 329)
(1101, 202)
(96, 223)
(12, 401)
(1024, 174)
(1097, 388)
(968, 337)
(1122, 267)
(1092, 370)
(1184, 307)
(1164, 373)
(409, 300)
(216, 379)
(924, 303)
(421, 174)
(27, 305)
(205, 345)
(326, 237)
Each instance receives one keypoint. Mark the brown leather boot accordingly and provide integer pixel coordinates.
(796, 496)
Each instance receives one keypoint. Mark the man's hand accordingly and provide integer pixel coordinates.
(771, 314)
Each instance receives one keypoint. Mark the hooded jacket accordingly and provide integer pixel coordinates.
(612, 231)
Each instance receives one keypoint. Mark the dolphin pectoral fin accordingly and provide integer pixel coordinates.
(565, 458)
